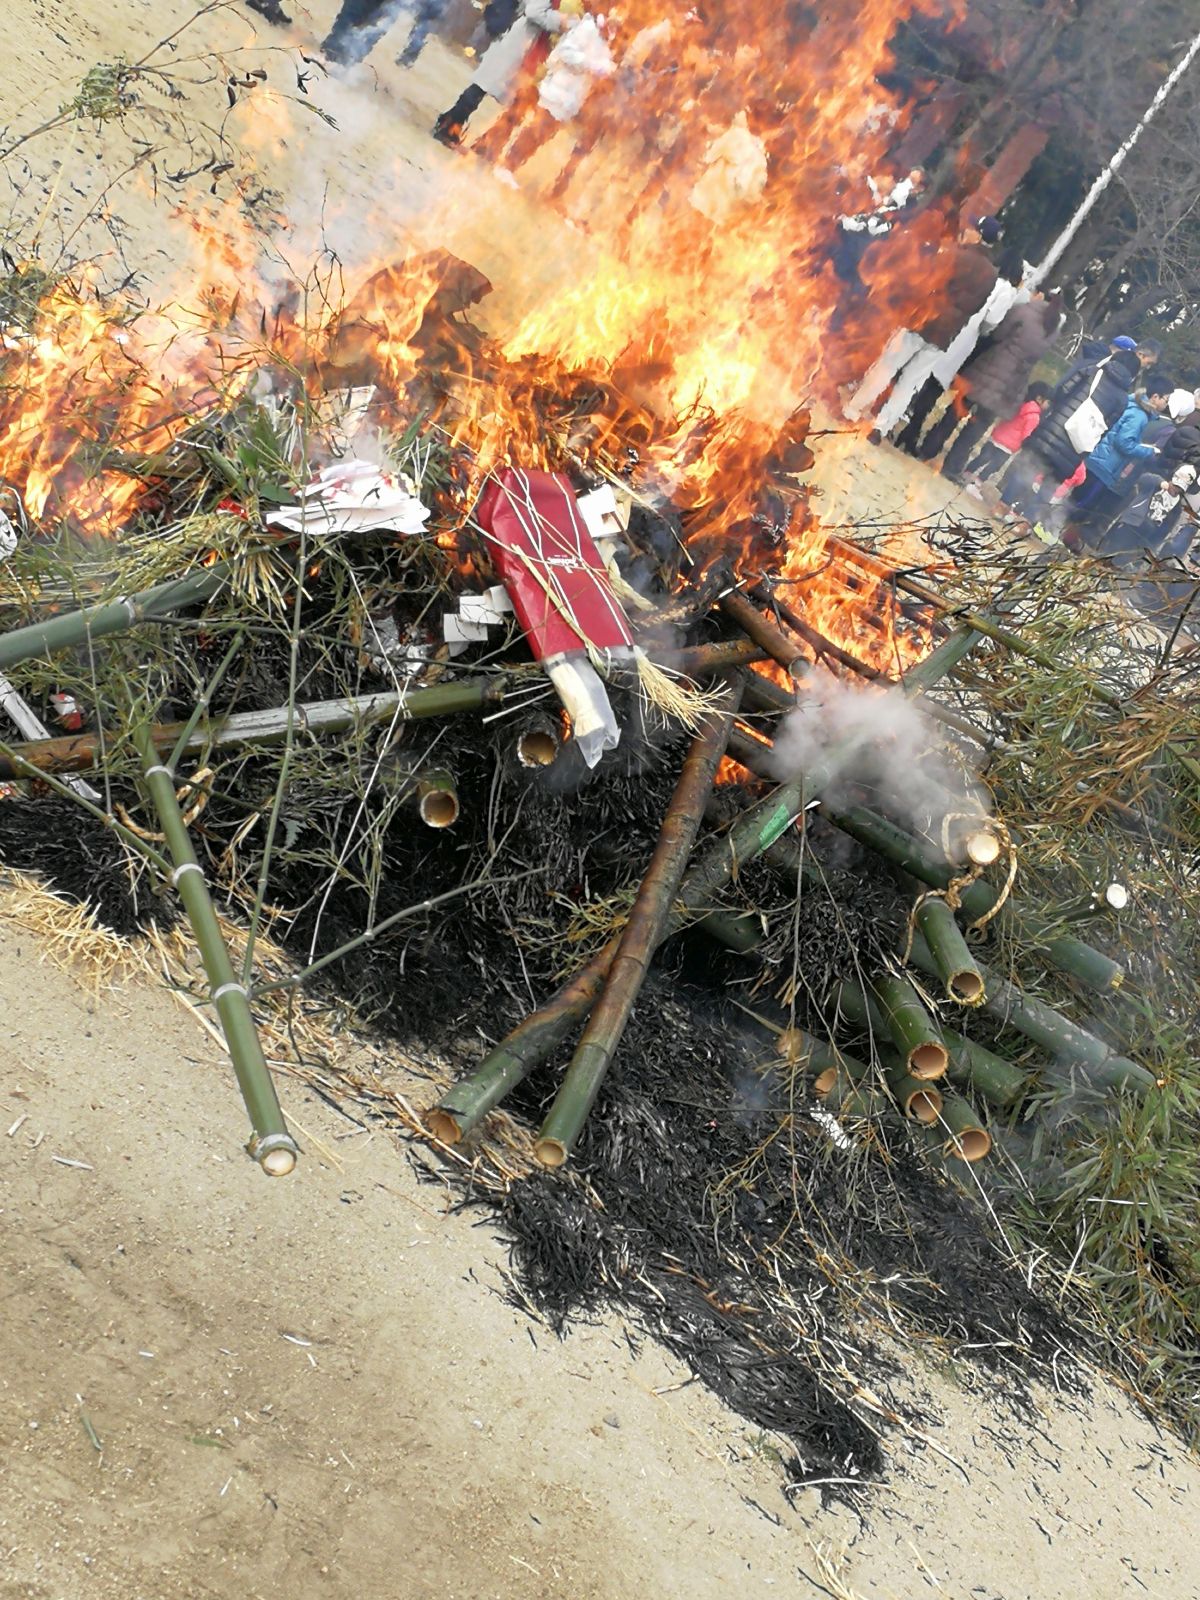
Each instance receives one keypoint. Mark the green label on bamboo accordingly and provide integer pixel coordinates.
(774, 825)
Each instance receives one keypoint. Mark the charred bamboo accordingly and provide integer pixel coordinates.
(271, 1145)
(538, 741)
(641, 936)
(746, 616)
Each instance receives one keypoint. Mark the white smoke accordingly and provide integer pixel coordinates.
(878, 740)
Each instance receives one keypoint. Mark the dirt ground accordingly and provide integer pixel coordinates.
(214, 1385)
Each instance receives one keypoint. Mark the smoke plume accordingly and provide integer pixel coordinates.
(876, 739)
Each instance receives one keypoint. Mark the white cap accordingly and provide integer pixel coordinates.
(1181, 403)
(1184, 477)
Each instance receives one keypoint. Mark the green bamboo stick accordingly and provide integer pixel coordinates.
(74, 628)
(1093, 969)
(972, 1066)
(78, 752)
(1050, 1029)
(740, 931)
(940, 661)
(271, 1145)
(965, 1137)
(912, 1030)
(918, 1098)
(960, 973)
(642, 934)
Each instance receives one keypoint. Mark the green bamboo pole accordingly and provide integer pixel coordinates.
(912, 1030)
(78, 752)
(850, 1099)
(73, 628)
(271, 1145)
(960, 973)
(642, 934)
(806, 1051)
(965, 1136)
(974, 1067)
(940, 661)
(926, 862)
(1050, 1029)
(918, 1098)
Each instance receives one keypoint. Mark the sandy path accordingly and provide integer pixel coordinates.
(314, 1386)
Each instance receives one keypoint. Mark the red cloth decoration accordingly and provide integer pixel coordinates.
(549, 564)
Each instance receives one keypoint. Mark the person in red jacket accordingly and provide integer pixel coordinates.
(1008, 436)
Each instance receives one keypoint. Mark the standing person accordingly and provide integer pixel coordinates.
(1099, 497)
(360, 24)
(508, 68)
(911, 354)
(271, 11)
(1091, 400)
(992, 385)
(859, 229)
(579, 58)
(1010, 269)
(1008, 436)
(1150, 521)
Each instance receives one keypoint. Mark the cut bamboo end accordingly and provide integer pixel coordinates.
(537, 747)
(1116, 897)
(967, 988)
(928, 1061)
(794, 1045)
(925, 1106)
(824, 1081)
(972, 1144)
(437, 800)
(550, 1152)
(278, 1163)
(443, 1125)
(982, 847)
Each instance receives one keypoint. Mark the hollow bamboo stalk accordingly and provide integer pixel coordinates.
(1090, 966)
(972, 1066)
(538, 741)
(918, 1098)
(82, 751)
(640, 937)
(73, 628)
(746, 616)
(912, 1030)
(957, 968)
(966, 1137)
(271, 1145)
(435, 794)
(1049, 1028)
(703, 660)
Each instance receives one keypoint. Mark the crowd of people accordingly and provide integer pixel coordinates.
(1104, 459)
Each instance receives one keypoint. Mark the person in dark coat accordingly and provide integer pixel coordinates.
(994, 383)
(1151, 520)
(1050, 454)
